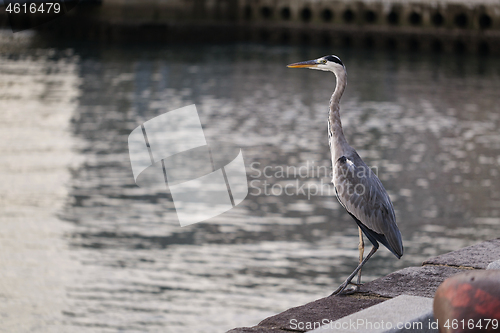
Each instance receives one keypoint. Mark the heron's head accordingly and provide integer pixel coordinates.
(329, 63)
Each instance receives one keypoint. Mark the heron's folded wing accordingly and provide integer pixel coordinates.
(361, 193)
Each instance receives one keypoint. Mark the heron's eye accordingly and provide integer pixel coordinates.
(323, 61)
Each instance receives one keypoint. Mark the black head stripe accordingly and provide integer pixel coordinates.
(333, 58)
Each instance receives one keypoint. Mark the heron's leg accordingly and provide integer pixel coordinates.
(341, 288)
(361, 248)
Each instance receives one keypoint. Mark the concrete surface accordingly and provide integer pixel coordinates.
(400, 314)
(477, 256)
(411, 281)
(494, 265)
(415, 281)
(328, 308)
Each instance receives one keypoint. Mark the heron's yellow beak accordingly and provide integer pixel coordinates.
(304, 64)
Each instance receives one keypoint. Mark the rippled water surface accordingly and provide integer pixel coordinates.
(83, 249)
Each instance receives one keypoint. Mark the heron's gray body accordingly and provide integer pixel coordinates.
(358, 189)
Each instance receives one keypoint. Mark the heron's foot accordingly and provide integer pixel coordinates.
(351, 291)
(340, 289)
(343, 291)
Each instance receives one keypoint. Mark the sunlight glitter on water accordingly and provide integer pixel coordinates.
(85, 249)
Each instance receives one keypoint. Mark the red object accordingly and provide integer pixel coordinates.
(469, 302)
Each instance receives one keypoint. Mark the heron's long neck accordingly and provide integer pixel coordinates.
(338, 143)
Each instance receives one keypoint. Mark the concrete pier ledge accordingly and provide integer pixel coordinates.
(412, 281)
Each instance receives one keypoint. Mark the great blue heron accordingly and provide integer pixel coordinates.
(358, 189)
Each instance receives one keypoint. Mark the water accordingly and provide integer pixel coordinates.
(83, 249)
